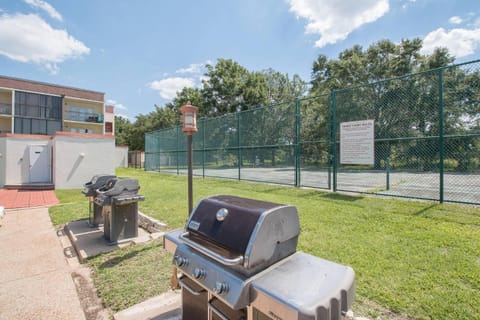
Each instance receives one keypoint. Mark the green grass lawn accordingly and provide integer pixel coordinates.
(420, 260)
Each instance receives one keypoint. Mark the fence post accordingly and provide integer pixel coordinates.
(239, 150)
(387, 169)
(441, 133)
(178, 150)
(328, 134)
(203, 151)
(159, 154)
(334, 138)
(297, 143)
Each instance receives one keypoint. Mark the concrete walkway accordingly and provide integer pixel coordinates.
(35, 278)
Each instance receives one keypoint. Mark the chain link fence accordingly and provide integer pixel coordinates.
(426, 139)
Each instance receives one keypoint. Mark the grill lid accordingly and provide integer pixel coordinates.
(97, 182)
(236, 231)
(228, 221)
(119, 186)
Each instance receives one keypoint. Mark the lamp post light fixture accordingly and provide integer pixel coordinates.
(189, 120)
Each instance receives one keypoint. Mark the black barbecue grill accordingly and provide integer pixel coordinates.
(119, 200)
(95, 214)
(98, 181)
(248, 235)
(238, 260)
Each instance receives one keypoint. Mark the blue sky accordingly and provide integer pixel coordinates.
(141, 52)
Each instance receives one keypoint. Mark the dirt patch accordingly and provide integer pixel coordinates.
(370, 310)
(91, 304)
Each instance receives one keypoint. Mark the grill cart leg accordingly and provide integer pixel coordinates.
(174, 279)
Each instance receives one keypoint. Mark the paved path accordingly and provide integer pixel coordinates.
(10, 199)
(35, 279)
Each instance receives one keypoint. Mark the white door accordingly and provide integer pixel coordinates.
(39, 163)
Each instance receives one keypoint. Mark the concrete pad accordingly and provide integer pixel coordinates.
(90, 241)
(35, 279)
(163, 307)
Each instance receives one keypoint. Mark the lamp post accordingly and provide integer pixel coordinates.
(189, 120)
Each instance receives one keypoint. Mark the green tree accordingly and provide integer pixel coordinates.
(122, 130)
(225, 90)
(192, 95)
(408, 106)
(281, 89)
(158, 119)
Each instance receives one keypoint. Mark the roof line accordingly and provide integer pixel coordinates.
(50, 84)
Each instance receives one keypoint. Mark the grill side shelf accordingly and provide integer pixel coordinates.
(304, 286)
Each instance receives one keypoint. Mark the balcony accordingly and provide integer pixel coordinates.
(83, 116)
(5, 109)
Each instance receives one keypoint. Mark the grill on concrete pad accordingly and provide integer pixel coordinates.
(95, 214)
(119, 200)
(237, 258)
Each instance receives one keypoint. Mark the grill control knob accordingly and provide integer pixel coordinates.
(180, 261)
(220, 287)
(199, 273)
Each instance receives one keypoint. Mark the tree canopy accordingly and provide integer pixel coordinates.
(229, 87)
(382, 60)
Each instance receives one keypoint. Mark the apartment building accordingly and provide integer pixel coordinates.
(31, 107)
(53, 135)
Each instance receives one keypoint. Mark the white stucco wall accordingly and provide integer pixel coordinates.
(15, 157)
(77, 158)
(121, 157)
(3, 141)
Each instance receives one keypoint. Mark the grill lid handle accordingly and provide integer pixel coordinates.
(209, 253)
(222, 214)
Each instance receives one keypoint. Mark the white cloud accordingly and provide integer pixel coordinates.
(407, 3)
(476, 23)
(334, 20)
(193, 68)
(46, 7)
(455, 20)
(120, 106)
(52, 68)
(116, 105)
(28, 38)
(168, 88)
(124, 116)
(459, 42)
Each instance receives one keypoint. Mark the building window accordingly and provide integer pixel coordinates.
(37, 113)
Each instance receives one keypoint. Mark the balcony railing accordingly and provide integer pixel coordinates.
(5, 108)
(83, 116)
(38, 112)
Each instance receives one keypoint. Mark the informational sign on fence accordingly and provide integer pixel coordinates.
(357, 142)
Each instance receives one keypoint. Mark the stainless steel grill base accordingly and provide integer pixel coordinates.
(194, 301)
(299, 287)
(121, 222)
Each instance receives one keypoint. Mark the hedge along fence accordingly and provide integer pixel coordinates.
(426, 139)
